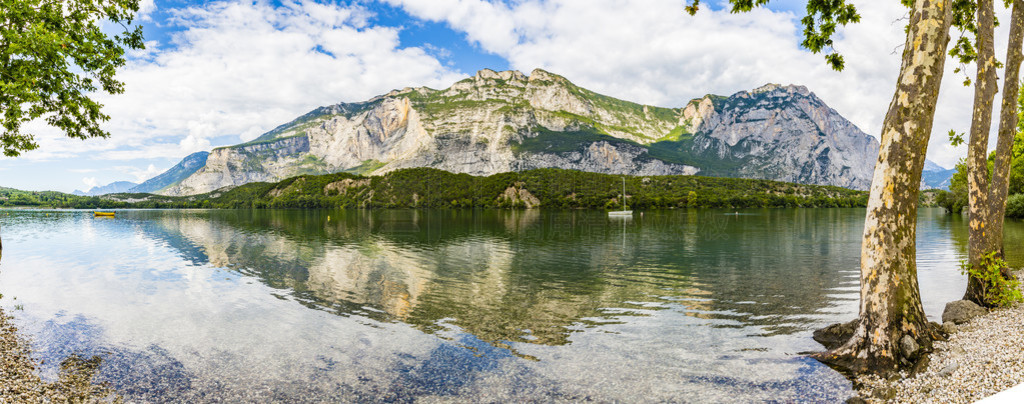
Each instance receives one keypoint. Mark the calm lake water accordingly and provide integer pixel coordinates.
(441, 305)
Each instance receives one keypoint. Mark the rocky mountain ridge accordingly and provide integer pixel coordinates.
(507, 121)
(111, 188)
(188, 166)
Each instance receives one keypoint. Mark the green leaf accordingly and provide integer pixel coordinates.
(53, 56)
(955, 139)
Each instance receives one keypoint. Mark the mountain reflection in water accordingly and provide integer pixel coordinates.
(495, 274)
(520, 305)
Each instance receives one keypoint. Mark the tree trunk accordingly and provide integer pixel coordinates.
(890, 301)
(1007, 125)
(988, 200)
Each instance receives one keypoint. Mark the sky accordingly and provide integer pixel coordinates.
(222, 73)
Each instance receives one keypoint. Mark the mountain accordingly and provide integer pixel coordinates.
(498, 122)
(112, 188)
(935, 176)
(173, 176)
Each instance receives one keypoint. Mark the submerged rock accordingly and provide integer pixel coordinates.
(961, 311)
(835, 335)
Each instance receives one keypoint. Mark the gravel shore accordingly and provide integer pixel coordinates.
(19, 382)
(982, 357)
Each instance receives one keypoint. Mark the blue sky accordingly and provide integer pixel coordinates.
(221, 73)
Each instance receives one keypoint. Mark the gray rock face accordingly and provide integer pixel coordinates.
(238, 165)
(505, 121)
(786, 133)
(961, 311)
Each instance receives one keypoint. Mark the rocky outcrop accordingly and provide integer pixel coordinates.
(505, 121)
(342, 187)
(785, 133)
(518, 196)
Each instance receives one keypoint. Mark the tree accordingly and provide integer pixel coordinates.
(890, 307)
(53, 55)
(987, 201)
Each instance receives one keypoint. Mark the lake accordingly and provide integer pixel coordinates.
(441, 305)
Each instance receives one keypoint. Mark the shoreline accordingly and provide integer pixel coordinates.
(20, 382)
(981, 358)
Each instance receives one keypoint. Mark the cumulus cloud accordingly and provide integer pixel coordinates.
(655, 53)
(90, 182)
(236, 69)
(140, 174)
(146, 7)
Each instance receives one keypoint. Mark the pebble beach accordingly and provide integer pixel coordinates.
(981, 358)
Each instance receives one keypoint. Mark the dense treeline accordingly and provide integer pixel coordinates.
(51, 199)
(432, 188)
(955, 200)
(549, 188)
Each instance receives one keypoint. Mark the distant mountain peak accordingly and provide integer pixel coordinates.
(111, 188)
(932, 166)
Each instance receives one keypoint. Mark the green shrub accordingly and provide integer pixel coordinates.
(1015, 205)
(997, 289)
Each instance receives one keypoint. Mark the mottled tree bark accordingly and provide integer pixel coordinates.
(890, 305)
(988, 201)
(985, 89)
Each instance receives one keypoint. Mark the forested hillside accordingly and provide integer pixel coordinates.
(547, 188)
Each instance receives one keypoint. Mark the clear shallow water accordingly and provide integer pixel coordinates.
(698, 305)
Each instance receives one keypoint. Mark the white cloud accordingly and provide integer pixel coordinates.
(657, 54)
(241, 68)
(146, 7)
(140, 174)
(89, 182)
(191, 144)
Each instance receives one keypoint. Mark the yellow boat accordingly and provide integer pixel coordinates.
(103, 214)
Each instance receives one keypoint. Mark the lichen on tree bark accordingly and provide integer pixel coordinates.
(890, 298)
(987, 200)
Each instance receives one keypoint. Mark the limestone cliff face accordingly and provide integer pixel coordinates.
(505, 121)
(232, 166)
(785, 133)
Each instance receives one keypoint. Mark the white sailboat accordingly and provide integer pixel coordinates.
(624, 212)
